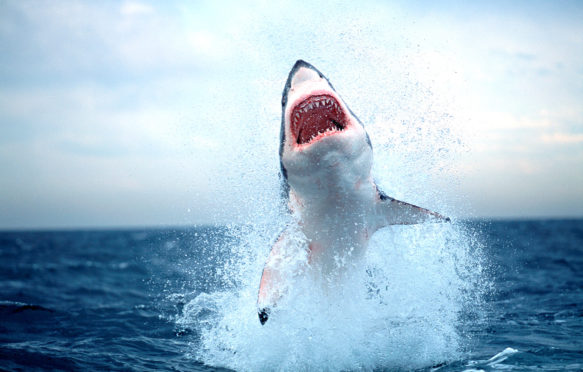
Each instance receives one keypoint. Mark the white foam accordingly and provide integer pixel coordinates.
(400, 309)
(501, 356)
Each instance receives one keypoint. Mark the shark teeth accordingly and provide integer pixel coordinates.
(317, 101)
(317, 116)
(322, 132)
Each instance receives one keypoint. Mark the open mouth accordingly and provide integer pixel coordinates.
(315, 117)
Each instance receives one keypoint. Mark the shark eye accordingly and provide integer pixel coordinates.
(317, 115)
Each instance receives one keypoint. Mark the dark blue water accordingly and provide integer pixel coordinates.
(109, 300)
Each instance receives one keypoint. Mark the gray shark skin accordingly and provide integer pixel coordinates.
(326, 159)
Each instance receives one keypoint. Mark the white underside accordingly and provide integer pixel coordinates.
(331, 187)
(334, 201)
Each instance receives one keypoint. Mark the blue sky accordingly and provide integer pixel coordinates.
(161, 113)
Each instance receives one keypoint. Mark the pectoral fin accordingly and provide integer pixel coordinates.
(273, 283)
(287, 259)
(391, 211)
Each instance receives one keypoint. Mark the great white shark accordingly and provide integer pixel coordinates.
(326, 159)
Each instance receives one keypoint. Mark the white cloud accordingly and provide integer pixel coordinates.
(134, 8)
(562, 138)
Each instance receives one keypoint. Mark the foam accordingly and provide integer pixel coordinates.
(404, 305)
(400, 309)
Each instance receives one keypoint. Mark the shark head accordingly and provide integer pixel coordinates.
(320, 136)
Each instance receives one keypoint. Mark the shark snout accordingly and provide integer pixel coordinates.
(303, 75)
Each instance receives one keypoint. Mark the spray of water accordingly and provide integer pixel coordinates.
(403, 305)
(400, 308)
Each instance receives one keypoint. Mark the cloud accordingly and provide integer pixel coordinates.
(135, 8)
(59, 43)
(562, 138)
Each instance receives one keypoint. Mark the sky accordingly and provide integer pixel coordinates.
(143, 113)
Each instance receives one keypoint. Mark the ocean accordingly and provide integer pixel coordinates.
(496, 295)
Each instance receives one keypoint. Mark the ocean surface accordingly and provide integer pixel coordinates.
(182, 300)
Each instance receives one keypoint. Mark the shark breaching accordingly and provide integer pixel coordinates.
(326, 159)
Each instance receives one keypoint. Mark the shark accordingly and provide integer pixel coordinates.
(326, 158)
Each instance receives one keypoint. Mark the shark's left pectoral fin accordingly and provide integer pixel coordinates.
(395, 212)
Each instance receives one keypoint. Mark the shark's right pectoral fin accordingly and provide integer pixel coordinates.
(269, 289)
(287, 258)
(272, 284)
(395, 212)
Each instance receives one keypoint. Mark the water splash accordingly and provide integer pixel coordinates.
(400, 309)
(404, 305)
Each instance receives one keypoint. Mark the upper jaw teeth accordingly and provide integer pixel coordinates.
(314, 103)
